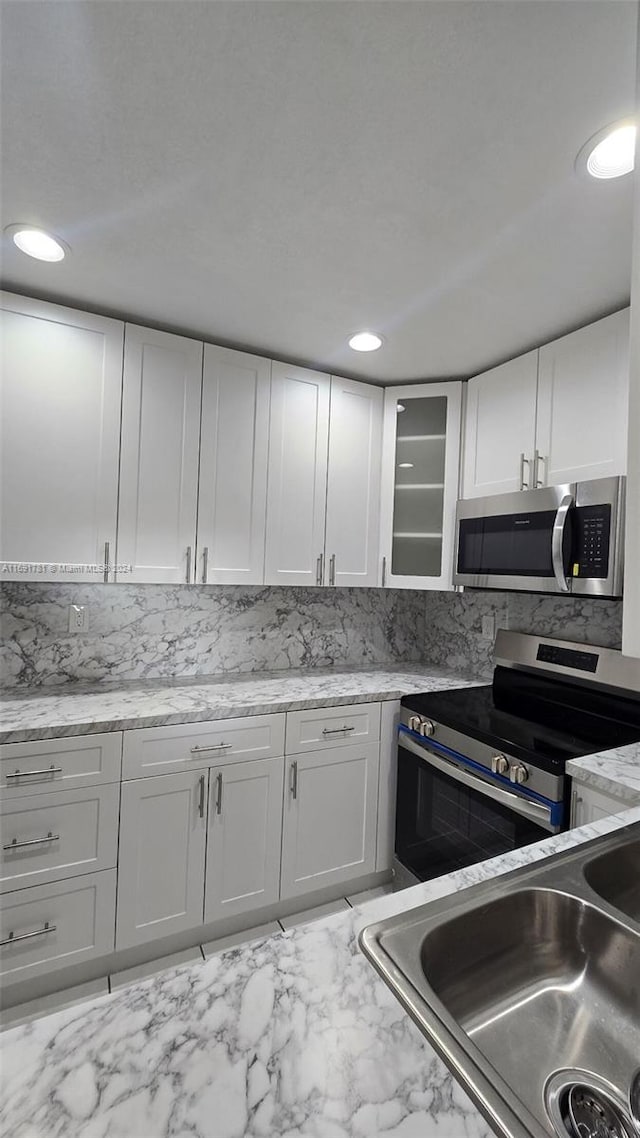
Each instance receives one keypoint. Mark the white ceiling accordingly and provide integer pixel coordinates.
(277, 175)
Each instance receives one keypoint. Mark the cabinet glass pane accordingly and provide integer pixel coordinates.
(419, 486)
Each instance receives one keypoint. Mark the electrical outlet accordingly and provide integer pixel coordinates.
(78, 618)
(489, 627)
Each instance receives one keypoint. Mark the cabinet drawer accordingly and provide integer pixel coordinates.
(57, 764)
(53, 836)
(167, 750)
(55, 926)
(321, 727)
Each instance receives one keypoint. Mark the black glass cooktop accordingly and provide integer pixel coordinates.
(534, 718)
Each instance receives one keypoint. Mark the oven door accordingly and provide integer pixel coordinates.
(448, 817)
(516, 541)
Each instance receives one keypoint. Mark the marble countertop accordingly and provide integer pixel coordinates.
(82, 709)
(616, 771)
(294, 1036)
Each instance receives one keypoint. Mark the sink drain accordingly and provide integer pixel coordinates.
(582, 1105)
(634, 1099)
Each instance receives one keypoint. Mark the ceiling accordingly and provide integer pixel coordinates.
(277, 175)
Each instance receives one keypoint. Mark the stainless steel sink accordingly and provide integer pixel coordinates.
(528, 985)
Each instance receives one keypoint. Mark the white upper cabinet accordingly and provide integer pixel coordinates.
(159, 465)
(61, 388)
(583, 398)
(234, 445)
(500, 428)
(297, 478)
(421, 452)
(353, 486)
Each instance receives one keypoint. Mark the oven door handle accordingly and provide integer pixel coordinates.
(557, 539)
(536, 811)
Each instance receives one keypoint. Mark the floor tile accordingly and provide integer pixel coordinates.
(370, 894)
(314, 914)
(56, 1002)
(152, 967)
(245, 937)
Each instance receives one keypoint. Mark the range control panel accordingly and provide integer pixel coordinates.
(568, 657)
(592, 532)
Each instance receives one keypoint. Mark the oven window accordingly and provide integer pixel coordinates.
(442, 825)
(507, 545)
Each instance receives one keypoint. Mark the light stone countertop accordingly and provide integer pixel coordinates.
(72, 709)
(616, 772)
(294, 1036)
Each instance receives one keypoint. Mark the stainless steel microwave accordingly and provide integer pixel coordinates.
(559, 539)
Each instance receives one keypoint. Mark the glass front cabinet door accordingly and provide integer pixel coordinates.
(420, 485)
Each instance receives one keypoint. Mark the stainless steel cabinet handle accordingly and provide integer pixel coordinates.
(212, 747)
(188, 574)
(336, 730)
(16, 845)
(13, 939)
(557, 537)
(524, 462)
(219, 793)
(537, 459)
(106, 562)
(332, 569)
(320, 569)
(201, 796)
(34, 774)
(205, 564)
(294, 779)
(384, 572)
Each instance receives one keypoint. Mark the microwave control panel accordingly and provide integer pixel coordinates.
(592, 529)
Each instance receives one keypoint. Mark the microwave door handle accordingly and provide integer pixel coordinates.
(557, 539)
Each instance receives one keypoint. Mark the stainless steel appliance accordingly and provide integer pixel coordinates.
(559, 539)
(481, 770)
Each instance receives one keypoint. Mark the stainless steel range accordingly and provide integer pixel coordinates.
(481, 770)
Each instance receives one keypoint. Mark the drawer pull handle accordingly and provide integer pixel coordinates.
(34, 774)
(336, 730)
(13, 939)
(213, 747)
(16, 845)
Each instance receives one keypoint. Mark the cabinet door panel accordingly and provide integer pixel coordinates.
(245, 829)
(353, 483)
(500, 426)
(297, 481)
(329, 827)
(233, 467)
(61, 377)
(161, 861)
(583, 398)
(159, 468)
(589, 805)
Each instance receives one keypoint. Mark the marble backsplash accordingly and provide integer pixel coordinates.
(158, 631)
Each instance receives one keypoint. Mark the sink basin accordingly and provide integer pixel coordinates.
(529, 983)
(615, 876)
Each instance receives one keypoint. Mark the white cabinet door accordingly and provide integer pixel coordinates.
(163, 831)
(583, 403)
(159, 466)
(245, 832)
(329, 827)
(353, 484)
(421, 450)
(297, 479)
(500, 428)
(234, 443)
(61, 377)
(589, 805)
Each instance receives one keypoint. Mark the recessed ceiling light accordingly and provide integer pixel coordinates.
(365, 342)
(405, 466)
(37, 243)
(611, 152)
(400, 407)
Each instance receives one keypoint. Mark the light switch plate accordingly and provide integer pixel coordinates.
(489, 627)
(78, 618)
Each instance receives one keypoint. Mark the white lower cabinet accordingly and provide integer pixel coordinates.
(588, 805)
(163, 833)
(330, 814)
(245, 832)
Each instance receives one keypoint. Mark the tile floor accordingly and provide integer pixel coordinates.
(55, 1002)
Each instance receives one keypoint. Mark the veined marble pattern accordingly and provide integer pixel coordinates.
(86, 709)
(294, 1036)
(152, 631)
(616, 771)
(453, 624)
